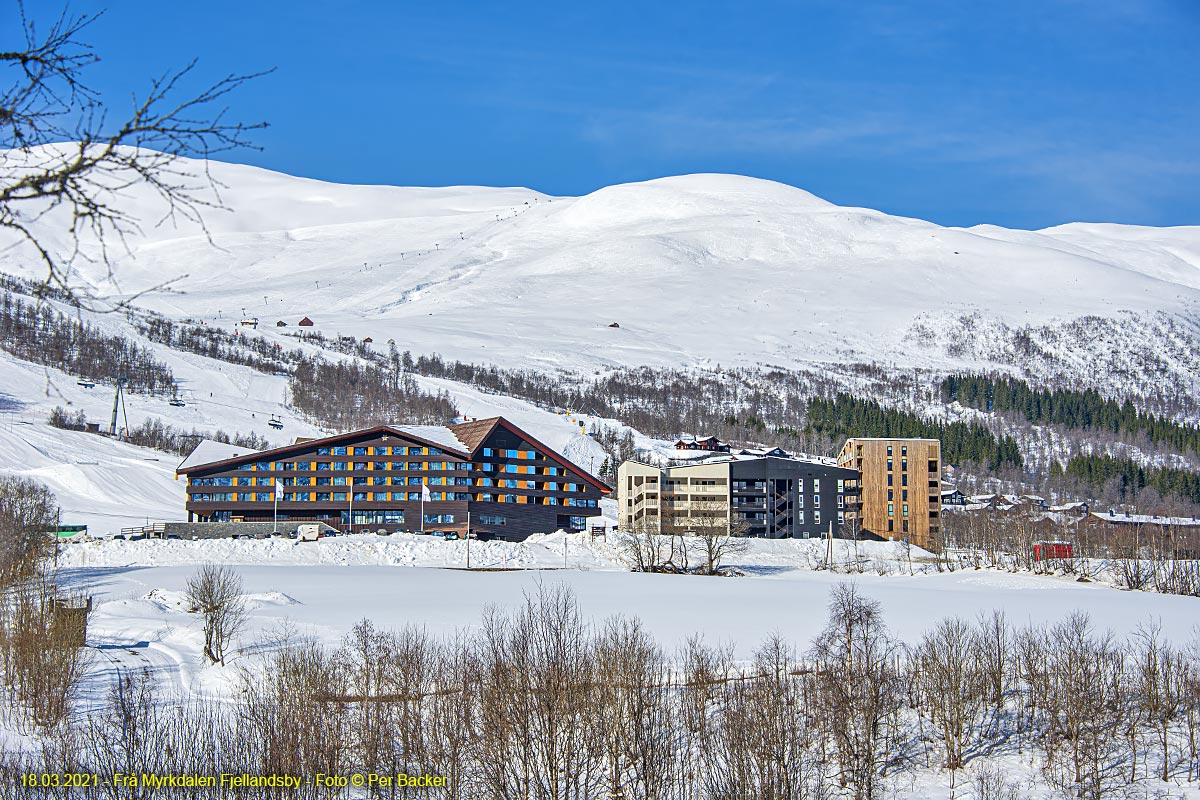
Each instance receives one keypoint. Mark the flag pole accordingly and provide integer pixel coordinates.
(278, 491)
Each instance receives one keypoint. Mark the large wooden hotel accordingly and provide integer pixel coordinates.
(411, 477)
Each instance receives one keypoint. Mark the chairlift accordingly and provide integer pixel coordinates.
(276, 423)
(85, 383)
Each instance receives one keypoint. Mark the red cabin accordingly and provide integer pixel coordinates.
(1044, 551)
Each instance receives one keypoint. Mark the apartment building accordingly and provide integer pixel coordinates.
(410, 477)
(767, 496)
(901, 487)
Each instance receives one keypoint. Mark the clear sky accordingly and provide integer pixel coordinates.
(1024, 113)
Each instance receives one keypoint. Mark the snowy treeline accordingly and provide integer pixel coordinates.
(539, 704)
(156, 434)
(40, 334)
(1072, 408)
(211, 342)
(344, 395)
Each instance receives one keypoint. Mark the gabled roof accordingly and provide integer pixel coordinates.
(190, 465)
(208, 451)
(472, 434)
(460, 440)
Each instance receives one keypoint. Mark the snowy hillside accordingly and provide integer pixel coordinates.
(697, 269)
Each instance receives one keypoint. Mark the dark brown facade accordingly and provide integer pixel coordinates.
(510, 484)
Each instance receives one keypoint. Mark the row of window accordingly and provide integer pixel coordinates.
(384, 480)
(382, 497)
(381, 450)
(395, 466)
(530, 454)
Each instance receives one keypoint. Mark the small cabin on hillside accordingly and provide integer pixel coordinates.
(306, 323)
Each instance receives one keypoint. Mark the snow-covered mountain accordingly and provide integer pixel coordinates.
(696, 269)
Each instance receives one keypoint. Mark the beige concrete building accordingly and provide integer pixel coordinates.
(901, 487)
(762, 495)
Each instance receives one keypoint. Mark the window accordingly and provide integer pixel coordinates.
(487, 451)
(340, 465)
(322, 481)
(889, 479)
(322, 496)
(904, 480)
(890, 465)
(492, 519)
(360, 495)
(816, 485)
(262, 466)
(550, 486)
(904, 526)
(889, 447)
(339, 497)
(322, 466)
(360, 451)
(577, 523)
(397, 465)
(816, 501)
(322, 451)
(379, 480)
(360, 466)
(360, 481)
(433, 451)
(841, 485)
(339, 451)
(414, 466)
(383, 451)
(891, 525)
(904, 450)
(489, 467)
(510, 498)
(340, 480)
(816, 518)
(904, 494)
(891, 510)
(841, 517)
(439, 519)
(905, 509)
(904, 464)
(799, 501)
(933, 465)
(378, 465)
(486, 498)
(840, 502)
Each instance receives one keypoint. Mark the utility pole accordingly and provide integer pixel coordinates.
(468, 539)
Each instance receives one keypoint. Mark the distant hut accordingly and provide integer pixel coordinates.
(306, 323)
(280, 324)
(368, 340)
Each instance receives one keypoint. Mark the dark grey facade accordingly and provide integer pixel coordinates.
(782, 498)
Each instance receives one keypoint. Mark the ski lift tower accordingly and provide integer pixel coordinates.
(119, 401)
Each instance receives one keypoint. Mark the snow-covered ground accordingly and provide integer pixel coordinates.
(513, 277)
(324, 588)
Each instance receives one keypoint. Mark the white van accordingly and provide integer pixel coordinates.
(308, 532)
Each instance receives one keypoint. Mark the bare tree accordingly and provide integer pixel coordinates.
(946, 668)
(70, 159)
(28, 512)
(641, 546)
(216, 592)
(859, 687)
(719, 535)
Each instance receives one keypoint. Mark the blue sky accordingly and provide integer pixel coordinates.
(1022, 113)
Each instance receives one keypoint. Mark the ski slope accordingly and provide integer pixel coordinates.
(696, 269)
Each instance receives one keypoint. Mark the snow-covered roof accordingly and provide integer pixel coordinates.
(209, 451)
(1146, 519)
(438, 434)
